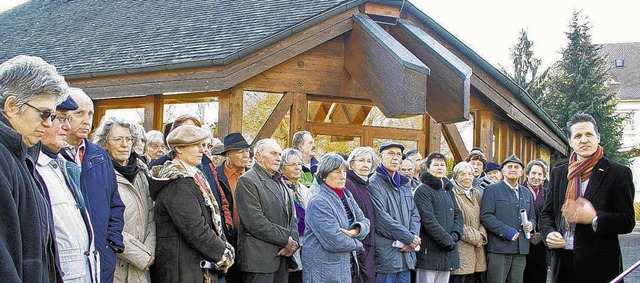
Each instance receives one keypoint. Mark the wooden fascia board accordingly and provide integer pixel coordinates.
(519, 114)
(450, 78)
(392, 76)
(217, 78)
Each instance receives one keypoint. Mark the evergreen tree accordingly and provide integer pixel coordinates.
(578, 83)
(525, 65)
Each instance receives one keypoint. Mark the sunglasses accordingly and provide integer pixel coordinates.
(46, 114)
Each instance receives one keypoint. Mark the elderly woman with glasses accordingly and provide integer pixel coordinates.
(117, 137)
(189, 226)
(440, 222)
(362, 162)
(155, 147)
(291, 169)
(335, 226)
(473, 261)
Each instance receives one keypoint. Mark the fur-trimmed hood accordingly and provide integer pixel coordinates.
(435, 183)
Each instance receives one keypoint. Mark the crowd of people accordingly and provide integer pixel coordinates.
(182, 206)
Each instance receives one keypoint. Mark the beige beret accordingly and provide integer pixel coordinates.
(186, 135)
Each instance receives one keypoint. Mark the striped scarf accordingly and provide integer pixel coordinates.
(580, 170)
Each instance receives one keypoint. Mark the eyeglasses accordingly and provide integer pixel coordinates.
(294, 164)
(393, 154)
(120, 140)
(63, 118)
(46, 114)
(158, 147)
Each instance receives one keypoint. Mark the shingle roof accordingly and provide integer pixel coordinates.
(81, 37)
(628, 76)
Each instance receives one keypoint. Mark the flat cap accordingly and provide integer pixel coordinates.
(67, 104)
(513, 158)
(186, 135)
(492, 166)
(386, 145)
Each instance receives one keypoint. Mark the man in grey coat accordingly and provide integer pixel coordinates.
(500, 213)
(397, 219)
(268, 231)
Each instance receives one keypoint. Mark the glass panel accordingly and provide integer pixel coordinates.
(257, 107)
(207, 112)
(135, 115)
(331, 143)
(346, 113)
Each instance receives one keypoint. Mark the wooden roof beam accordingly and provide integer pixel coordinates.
(455, 142)
(394, 78)
(275, 118)
(450, 79)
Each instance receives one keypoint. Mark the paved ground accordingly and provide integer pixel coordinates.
(630, 246)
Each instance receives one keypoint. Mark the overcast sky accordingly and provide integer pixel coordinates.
(491, 27)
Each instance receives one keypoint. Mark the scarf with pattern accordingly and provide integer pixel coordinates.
(579, 171)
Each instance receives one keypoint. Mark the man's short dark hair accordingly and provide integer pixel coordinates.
(298, 139)
(578, 118)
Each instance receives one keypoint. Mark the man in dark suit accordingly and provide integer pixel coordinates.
(590, 202)
(267, 234)
(508, 243)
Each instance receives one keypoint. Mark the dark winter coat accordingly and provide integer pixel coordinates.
(596, 255)
(25, 254)
(106, 209)
(185, 233)
(358, 188)
(441, 224)
(207, 171)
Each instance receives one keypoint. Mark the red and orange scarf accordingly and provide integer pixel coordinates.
(580, 170)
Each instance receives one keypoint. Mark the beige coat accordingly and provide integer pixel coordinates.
(139, 231)
(472, 258)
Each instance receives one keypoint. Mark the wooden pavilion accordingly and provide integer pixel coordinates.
(331, 64)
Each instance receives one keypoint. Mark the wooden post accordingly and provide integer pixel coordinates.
(483, 130)
(153, 112)
(434, 132)
(298, 114)
(230, 113)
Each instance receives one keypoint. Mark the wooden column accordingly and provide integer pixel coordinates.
(230, 113)
(153, 112)
(483, 130)
(298, 114)
(434, 132)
